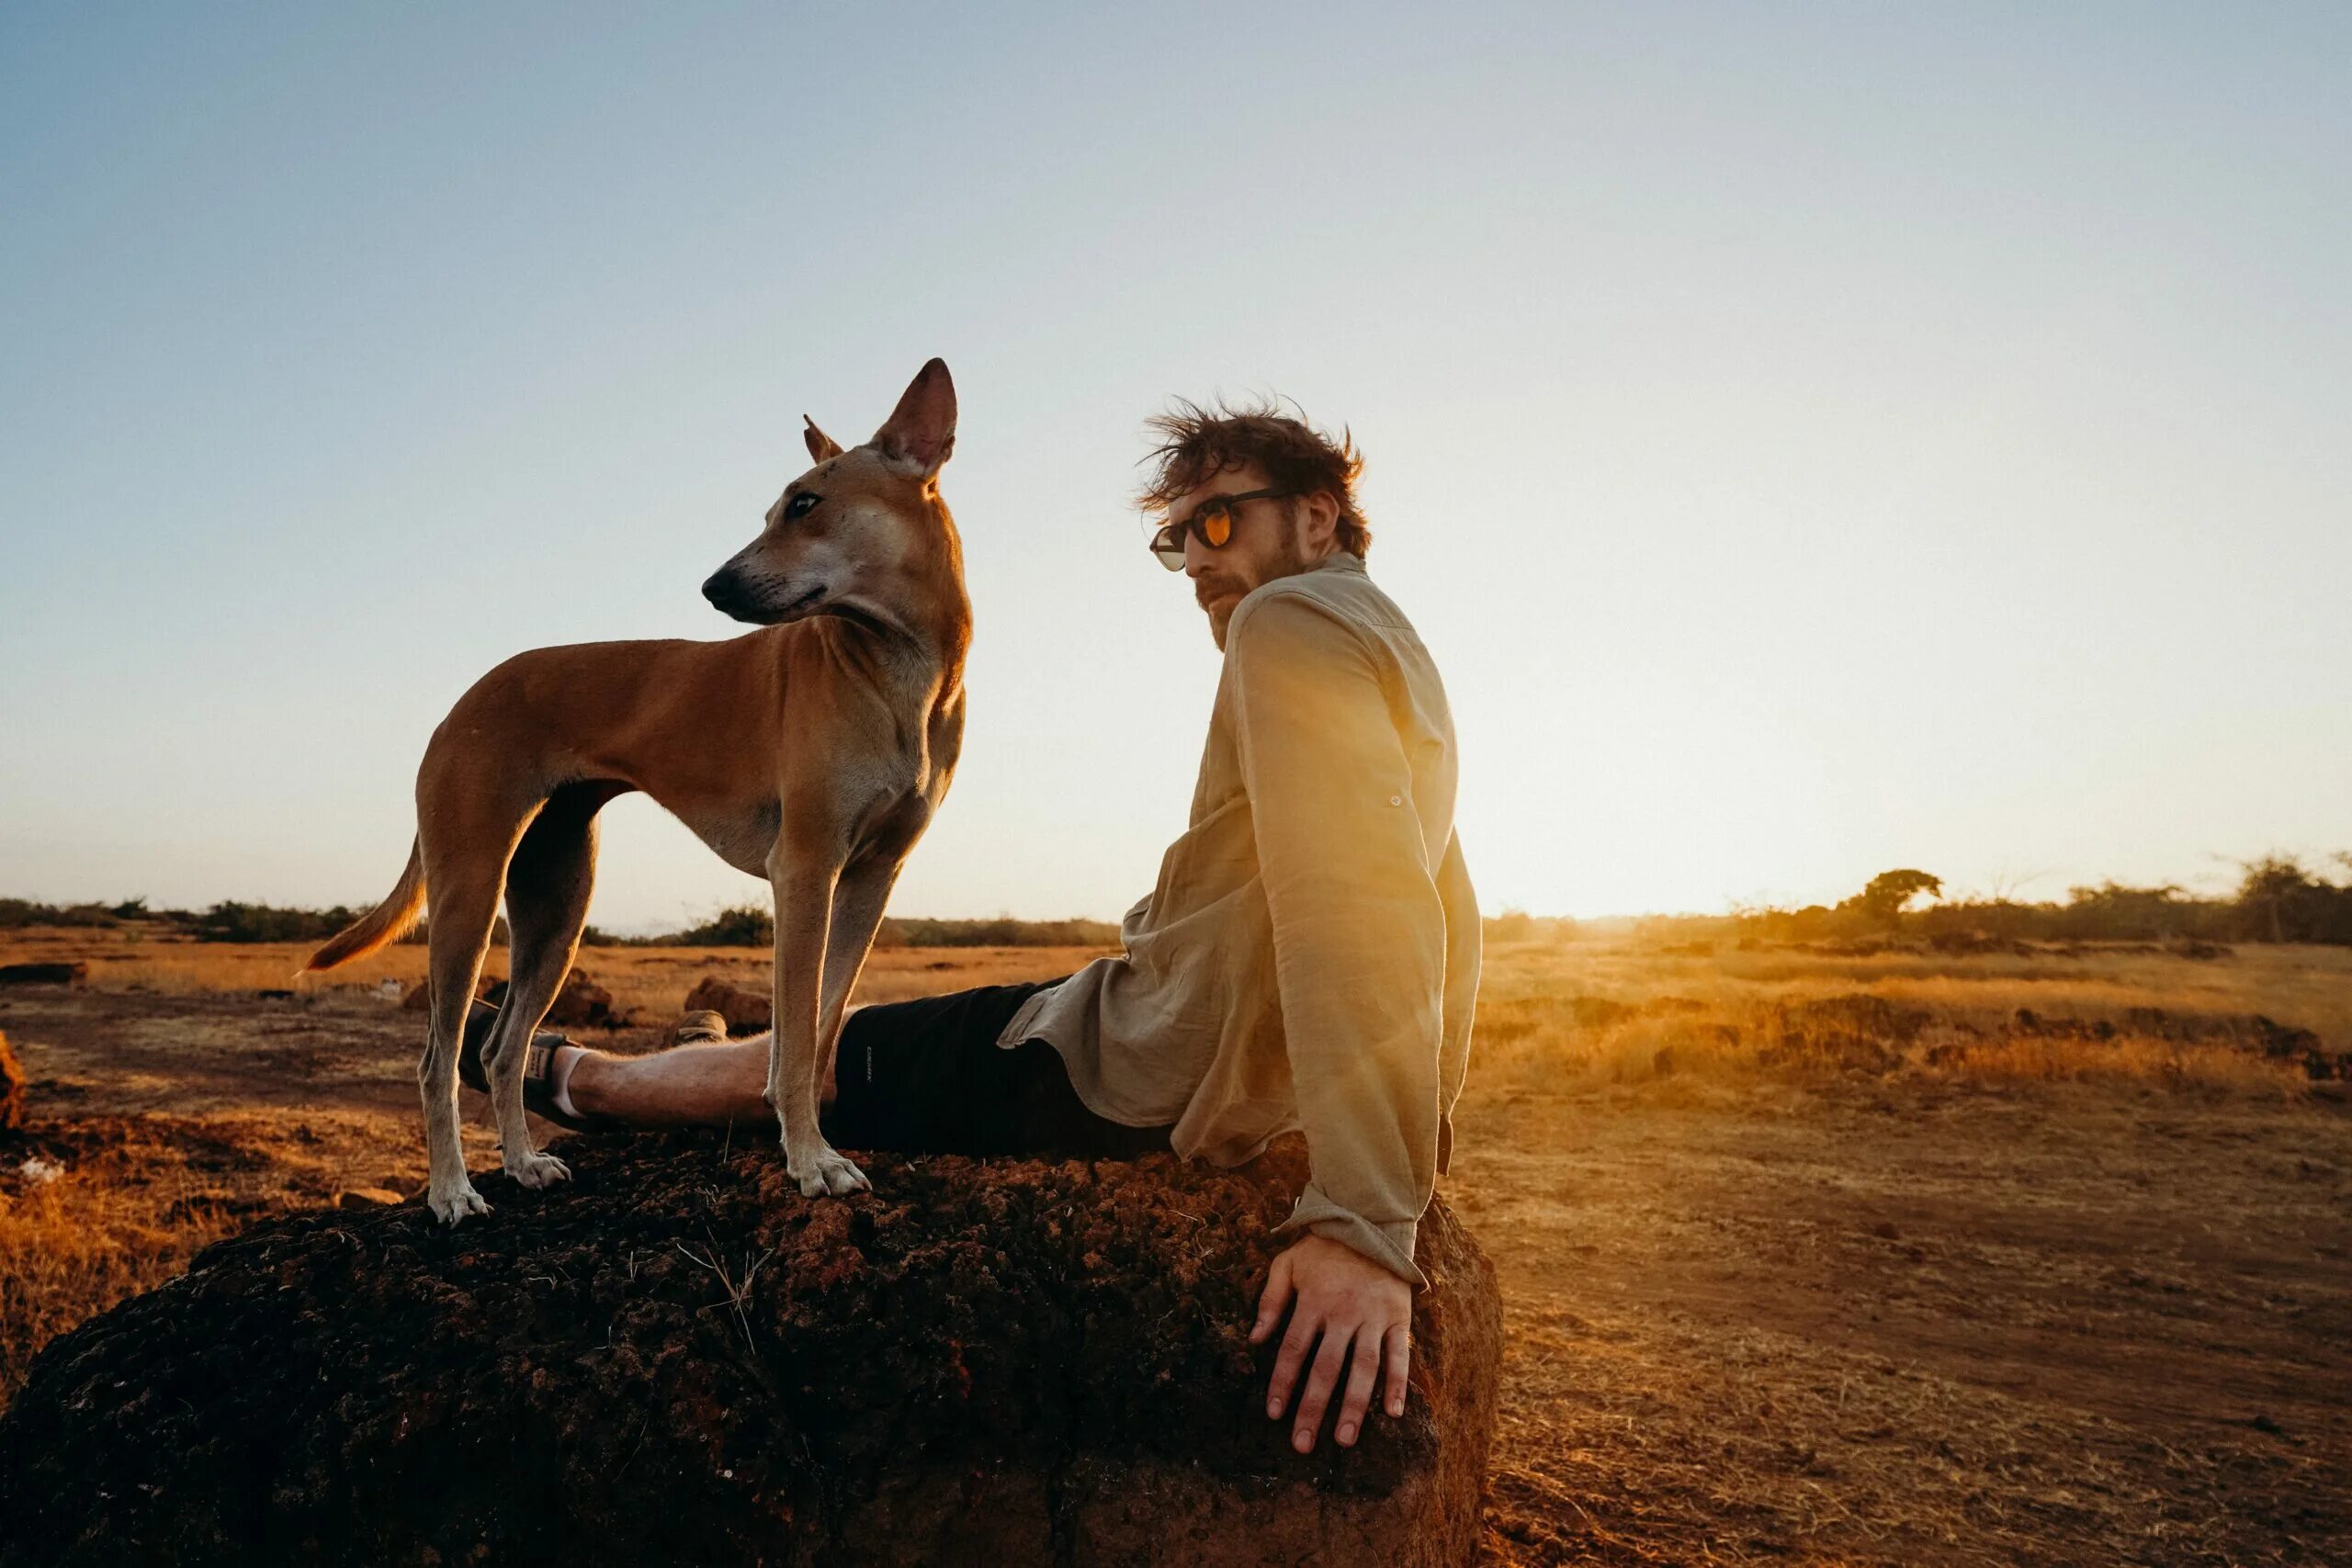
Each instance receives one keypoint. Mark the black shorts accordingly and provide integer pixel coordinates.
(927, 1077)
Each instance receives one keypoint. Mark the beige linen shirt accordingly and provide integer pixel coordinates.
(1309, 958)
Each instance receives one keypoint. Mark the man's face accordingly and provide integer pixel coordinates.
(1271, 538)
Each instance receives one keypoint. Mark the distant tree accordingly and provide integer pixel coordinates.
(2269, 889)
(745, 925)
(1511, 925)
(2278, 900)
(1882, 898)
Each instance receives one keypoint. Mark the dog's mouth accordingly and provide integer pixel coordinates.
(799, 607)
(729, 597)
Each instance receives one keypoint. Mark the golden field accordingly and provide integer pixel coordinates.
(1806, 1257)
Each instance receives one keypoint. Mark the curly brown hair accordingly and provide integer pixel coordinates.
(1196, 444)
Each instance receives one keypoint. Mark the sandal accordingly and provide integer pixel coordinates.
(538, 1086)
(538, 1094)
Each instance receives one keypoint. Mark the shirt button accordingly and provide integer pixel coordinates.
(1395, 800)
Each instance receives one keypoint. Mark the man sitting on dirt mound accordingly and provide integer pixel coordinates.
(1308, 959)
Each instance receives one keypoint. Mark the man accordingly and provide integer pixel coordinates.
(1308, 959)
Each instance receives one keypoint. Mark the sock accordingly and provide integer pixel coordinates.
(560, 1076)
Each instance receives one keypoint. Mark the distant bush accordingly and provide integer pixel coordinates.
(16, 913)
(1518, 925)
(2278, 900)
(751, 925)
(744, 925)
(1001, 931)
(233, 921)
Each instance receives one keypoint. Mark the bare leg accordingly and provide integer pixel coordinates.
(707, 1084)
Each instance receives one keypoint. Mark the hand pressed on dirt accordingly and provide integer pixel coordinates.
(1364, 1317)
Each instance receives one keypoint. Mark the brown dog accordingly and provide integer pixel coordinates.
(811, 753)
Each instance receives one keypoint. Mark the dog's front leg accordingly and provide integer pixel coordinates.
(803, 886)
(859, 900)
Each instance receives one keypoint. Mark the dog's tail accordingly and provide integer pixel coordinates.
(387, 921)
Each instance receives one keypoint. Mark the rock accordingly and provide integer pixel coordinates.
(677, 1358)
(70, 974)
(366, 1198)
(12, 1089)
(746, 1012)
(420, 996)
(582, 1004)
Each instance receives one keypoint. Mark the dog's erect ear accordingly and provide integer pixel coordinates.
(820, 445)
(921, 432)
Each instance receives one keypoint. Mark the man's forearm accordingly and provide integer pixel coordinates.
(1358, 929)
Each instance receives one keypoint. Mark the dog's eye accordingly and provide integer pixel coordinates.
(801, 505)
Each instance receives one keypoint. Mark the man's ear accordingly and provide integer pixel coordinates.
(820, 445)
(1319, 510)
(921, 432)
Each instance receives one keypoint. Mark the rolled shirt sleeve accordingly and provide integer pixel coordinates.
(1360, 931)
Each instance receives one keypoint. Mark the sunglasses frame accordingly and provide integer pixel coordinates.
(1168, 542)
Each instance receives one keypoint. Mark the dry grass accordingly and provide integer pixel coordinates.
(73, 1247)
(1559, 1016)
(1806, 1260)
(650, 981)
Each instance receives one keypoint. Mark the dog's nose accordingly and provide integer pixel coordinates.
(718, 588)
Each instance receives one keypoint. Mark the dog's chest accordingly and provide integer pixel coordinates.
(743, 837)
(907, 793)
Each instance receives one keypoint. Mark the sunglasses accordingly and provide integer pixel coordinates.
(1212, 520)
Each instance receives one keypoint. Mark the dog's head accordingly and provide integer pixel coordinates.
(859, 532)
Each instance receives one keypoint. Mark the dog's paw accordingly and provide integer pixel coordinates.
(456, 1202)
(535, 1170)
(826, 1173)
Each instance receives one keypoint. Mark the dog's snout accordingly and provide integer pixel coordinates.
(720, 588)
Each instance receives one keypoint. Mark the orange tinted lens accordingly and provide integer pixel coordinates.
(1216, 526)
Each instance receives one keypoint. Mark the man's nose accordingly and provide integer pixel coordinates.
(1197, 555)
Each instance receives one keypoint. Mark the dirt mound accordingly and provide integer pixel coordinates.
(12, 1089)
(581, 1004)
(746, 1012)
(677, 1358)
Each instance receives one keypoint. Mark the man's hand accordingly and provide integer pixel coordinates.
(1346, 1299)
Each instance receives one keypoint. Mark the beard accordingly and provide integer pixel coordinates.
(1220, 594)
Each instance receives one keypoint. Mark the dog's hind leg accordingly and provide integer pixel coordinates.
(547, 885)
(464, 906)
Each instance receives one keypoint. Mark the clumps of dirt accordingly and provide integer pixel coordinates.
(1855, 1031)
(581, 1004)
(677, 1358)
(1983, 944)
(2251, 1031)
(746, 1012)
(12, 1089)
(75, 973)
(99, 1145)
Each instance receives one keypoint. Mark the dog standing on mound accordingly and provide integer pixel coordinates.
(811, 753)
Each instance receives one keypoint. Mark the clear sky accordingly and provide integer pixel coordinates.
(1812, 439)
